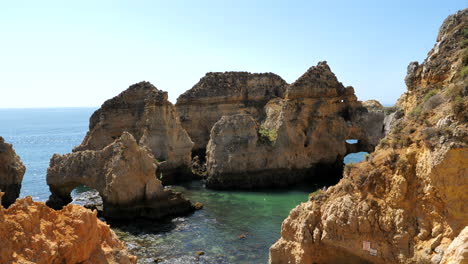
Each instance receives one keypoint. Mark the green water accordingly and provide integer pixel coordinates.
(217, 229)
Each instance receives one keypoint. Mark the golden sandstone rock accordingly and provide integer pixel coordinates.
(11, 173)
(143, 111)
(408, 202)
(124, 175)
(31, 232)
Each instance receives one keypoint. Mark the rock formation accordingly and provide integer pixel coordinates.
(11, 173)
(31, 232)
(407, 202)
(143, 111)
(124, 175)
(303, 135)
(219, 94)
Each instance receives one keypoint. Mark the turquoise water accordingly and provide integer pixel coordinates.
(233, 227)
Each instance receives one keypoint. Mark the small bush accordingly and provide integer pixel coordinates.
(464, 71)
(416, 111)
(429, 95)
(384, 142)
(348, 167)
(267, 136)
(433, 102)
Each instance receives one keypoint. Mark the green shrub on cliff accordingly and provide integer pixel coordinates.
(267, 136)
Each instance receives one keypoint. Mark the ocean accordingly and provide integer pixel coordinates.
(233, 226)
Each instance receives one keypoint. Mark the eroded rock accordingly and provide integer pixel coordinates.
(303, 136)
(407, 202)
(143, 111)
(31, 232)
(225, 93)
(124, 175)
(11, 173)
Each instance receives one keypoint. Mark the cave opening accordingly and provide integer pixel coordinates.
(87, 197)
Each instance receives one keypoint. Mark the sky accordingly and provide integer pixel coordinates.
(80, 53)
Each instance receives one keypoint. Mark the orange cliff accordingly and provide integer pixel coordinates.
(31, 232)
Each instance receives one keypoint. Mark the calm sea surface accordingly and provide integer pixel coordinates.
(233, 227)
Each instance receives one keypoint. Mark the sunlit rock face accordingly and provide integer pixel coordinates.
(225, 93)
(124, 175)
(302, 136)
(31, 232)
(11, 173)
(407, 203)
(145, 112)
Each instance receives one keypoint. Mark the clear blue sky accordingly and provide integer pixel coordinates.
(80, 53)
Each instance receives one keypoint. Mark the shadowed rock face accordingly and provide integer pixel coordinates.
(408, 202)
(218, 94)
(11, 173)
(31, 232)
(124, 175)
(303, 135)
(143, 111)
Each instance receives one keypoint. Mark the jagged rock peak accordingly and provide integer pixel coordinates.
(317, 81)
(452, 22)
(236, 84)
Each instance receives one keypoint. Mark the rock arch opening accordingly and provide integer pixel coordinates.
(87, 197)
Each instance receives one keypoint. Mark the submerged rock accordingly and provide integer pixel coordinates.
(31, 232)
(302, 137)
(143, 111)
(11, 173)
(225, 93)
(408, 202)
(124, 175)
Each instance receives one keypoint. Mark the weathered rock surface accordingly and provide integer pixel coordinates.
(124, 175)
(303, 135)
(408, 202)
(219, 94)
(143, 111)
(31, 232)
(11, 173)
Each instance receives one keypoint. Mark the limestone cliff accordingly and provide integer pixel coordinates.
(11, 173)
(143, 111)
(407, 202)
(31, 232)
(219, 94)
(302, 137)
(124, 175)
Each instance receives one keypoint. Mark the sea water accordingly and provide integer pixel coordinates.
(233, 226)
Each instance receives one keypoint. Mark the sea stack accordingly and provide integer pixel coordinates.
(302, 136)
(220, 94)
(145, 112)
(11, 173)
(124, 174)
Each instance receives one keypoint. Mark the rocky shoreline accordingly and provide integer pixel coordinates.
(406, 203)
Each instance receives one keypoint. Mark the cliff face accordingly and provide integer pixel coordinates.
(31, 232)
(407, 202)
(303, 135)
(124, 175)
(219, 94)
(11, 173)
(143, 111)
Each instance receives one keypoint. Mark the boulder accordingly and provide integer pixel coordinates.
(11, 173)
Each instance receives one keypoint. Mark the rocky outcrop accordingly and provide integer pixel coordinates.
(219, 94)
(124, 175)
(143, 111)
(303, 136)
(407, 202)
(11, 173)
(31, 232)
